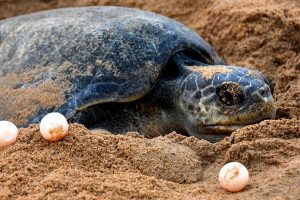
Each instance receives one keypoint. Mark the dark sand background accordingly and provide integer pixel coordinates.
(264, 34)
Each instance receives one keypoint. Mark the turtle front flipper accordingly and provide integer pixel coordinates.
(103, 92)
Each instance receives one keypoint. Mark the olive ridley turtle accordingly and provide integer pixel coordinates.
(123, 69)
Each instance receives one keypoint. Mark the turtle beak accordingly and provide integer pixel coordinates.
(256, 112)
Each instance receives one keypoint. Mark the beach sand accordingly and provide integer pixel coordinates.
(261, 34)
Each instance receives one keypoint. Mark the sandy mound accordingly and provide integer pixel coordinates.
(98, 164)
(261, 34)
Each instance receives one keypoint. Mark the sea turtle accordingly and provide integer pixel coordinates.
(124, 69)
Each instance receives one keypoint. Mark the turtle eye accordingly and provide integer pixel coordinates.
(230, 93)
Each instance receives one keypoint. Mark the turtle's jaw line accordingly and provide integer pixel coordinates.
(232, 125)
(227, 128)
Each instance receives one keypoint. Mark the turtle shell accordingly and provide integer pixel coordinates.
(75, 57)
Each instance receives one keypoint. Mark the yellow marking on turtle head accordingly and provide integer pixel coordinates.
(208, 72)
(254, 74)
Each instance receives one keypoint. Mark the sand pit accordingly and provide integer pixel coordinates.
(99, 165)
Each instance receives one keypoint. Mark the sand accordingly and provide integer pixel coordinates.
(262, 34)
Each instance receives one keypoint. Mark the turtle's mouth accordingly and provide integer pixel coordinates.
(221, 130)
(234, 123)
(244, 116)
(226, 128)
(223, 125)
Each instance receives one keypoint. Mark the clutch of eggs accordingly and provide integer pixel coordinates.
(53, 127)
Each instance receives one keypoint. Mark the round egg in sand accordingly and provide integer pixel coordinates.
(234, 176)
(8, 133)
(54, 127)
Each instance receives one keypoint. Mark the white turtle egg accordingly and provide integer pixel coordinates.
(54, 127)
(8, 133)
(234, 176)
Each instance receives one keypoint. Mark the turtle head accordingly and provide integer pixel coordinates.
(217, 100)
